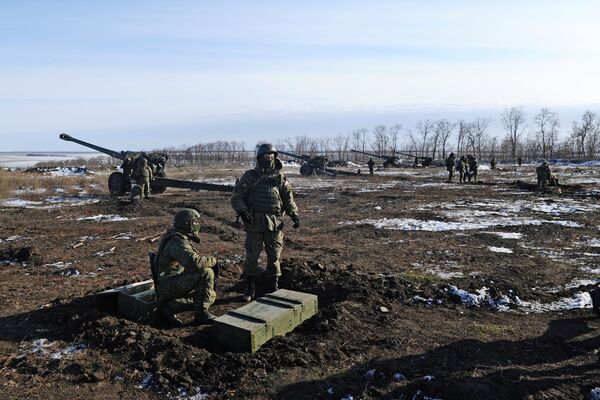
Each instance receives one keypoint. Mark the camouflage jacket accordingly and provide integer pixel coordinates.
(177, 255)
(266, 195)
(449, 163)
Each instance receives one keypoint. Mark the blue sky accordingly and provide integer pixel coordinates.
(147, 74)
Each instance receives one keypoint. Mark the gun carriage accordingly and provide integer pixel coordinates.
(390, 161)
(315, 165)
(119, 182)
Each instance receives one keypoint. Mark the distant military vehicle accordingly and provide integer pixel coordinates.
(390, 161)
(425, 161)
(315, 165)
(119, 182)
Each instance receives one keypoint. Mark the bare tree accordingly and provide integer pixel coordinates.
(580, 133)
(479, 137)
(340, 143)
(393, 134)
(380, 139)
(425, 130)
(464, 129)
(547, 124)
(513, 120)
(443, 129)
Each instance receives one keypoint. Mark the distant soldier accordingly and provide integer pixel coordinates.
(181, 272)
(493, 163)
(519, 161)
(142, 176)
(473, 167)
(545, 175)
(261, 197)
(416, 164)
(450, 166)
(461, 168)
(371, 164)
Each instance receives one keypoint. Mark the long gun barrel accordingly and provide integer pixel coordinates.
(303, 157)
(370, 154)
(116, 154)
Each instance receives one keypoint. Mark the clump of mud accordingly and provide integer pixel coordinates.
(20, 255)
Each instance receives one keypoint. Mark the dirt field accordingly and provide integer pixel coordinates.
(483, 288)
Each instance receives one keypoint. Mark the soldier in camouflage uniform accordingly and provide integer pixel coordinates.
(544, 174)
(450, 166)
(371, 164)
(142, 176)
(473, 167)
(181, 272)
(461, 167)
(261, 197)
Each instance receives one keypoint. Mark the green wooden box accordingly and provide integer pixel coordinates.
(136, 300)
(247, 328)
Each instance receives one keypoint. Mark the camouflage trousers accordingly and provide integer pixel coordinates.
(145, 184)
(450, 175)
(273, 244)
(184, 289)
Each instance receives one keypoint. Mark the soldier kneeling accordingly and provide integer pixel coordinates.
(181, 273)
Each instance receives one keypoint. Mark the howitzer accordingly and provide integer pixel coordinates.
(315, 165)
(119, 182)
(425, 161)
(310, 165)
(390, 161)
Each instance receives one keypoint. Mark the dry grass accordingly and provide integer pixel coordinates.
(38, 185)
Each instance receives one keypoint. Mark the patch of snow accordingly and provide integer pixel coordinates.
(595, 394)
(411, 224)
(470, 299)
(500, 250)
(595, 271)
(398, 376)
(347, 397)
(370, 374)
(13, 238)
(124, 236)
(21, 203)
(579, 300)
(444, 274)
(105, 218)
(507, 235)
(378, 208)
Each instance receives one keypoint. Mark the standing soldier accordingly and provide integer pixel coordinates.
(261, 197)
(142, 176)
(544, 174)
(450, 166)
(371, 164)
(461, 167)
(180, 272)
(473, 167)
(493, 163)
(519, 161)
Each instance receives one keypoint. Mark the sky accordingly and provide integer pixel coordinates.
(151, 74)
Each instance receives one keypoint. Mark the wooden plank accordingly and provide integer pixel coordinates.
(247, 328)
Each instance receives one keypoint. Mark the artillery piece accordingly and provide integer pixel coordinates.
(390, 161)
(425, 161)
(119, 182)
(315, 165)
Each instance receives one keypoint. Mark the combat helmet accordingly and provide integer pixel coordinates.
(266, 148)
(187, 221)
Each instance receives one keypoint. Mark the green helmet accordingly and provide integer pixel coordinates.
(266, 148)
(187, 221)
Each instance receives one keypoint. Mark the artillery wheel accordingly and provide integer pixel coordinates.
(156, 188)
(306, 170)
(117, 184)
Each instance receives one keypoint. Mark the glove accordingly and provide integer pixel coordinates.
(296, 220)
(247, 217)
(218, 267)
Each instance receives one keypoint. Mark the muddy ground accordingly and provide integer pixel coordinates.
(427, 290)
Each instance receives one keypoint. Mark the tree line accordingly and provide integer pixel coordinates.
(529, 140)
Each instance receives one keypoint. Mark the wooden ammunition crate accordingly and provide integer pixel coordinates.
(136, 300)
(247, 328)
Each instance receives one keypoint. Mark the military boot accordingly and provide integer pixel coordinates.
(204, 318)
(167, 313)
(250, 291)
(273, 284)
